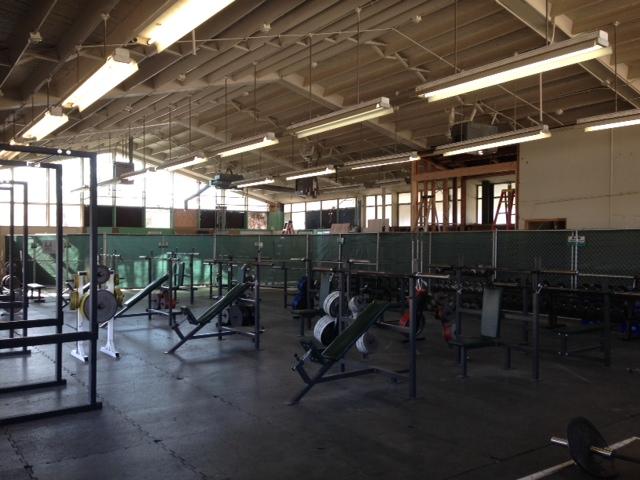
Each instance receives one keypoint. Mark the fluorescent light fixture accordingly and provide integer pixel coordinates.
(493, 141)
(184, 164)
(580, 48)
(112, 73)
(255, 183)
(384, 160)
(180, 19)
(247, 144)
(10, 155)
(625, 118)
(135, 173)
(312, 172)
(50, 121)
(341, 118)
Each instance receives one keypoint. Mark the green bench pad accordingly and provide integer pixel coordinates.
(217, 308)
(350, 335)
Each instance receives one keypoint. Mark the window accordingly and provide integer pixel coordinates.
(404, 209)
(438, 205)
(257, 221)
(159, 190)
(378, 207)
(498, 188)
(183, 188)
(157, 218)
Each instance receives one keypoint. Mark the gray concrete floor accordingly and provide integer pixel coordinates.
(217, 410)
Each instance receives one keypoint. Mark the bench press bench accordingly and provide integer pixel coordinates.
(337, 350)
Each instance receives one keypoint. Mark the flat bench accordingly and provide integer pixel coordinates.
(32, 289)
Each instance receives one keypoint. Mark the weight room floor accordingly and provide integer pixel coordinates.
(218, 411)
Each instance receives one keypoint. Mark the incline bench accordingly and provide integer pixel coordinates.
(209, 314)
(337, 350)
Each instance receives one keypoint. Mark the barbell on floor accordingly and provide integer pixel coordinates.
(589, 451)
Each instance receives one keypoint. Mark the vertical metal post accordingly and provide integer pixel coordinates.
(412, 336)
(535, 331)
(377, 251)
(12, 228)
(93, 254)
(170, 267)
(256, 311)
(192, 274)
(340, 294)
(308, 269)
(494, 252)
(25, 241)
(606, 340)
(286, 286)
(150, 279)
(59, 269)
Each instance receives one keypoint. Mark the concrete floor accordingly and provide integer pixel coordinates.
(217, 410)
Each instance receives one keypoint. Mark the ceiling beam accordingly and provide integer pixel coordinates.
(532, 14)
(84, 25)
(21, 36)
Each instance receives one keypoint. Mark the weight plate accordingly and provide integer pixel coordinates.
(102, 274)
(582, 435)
(107, 306)
(367, 343)
(330, 305)
(357, 304)
(8, 284)
(324, 330)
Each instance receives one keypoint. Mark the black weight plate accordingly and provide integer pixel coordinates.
(102, 274)
(582, 435)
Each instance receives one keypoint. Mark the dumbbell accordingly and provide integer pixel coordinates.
(589, 451)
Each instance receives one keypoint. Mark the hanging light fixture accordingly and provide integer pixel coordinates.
(113, 72)
(49, 122)
(582, 47)
(625, 118)
(311, 172)
(184, 164)
(608, 121)
(255, 183)
(341, 118)
(384, 160)
(181, 18)
(493, 141)
(247, 144)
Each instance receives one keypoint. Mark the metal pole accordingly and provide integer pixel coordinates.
(412, 336)
(25, 241)
(11, 255)
(256, 311)
(309, 272)
(286, 288)
(536, 327)
(377, 251)
(60, 273)
(150, 278)
(93, 255)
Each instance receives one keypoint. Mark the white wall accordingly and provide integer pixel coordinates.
(591, 179)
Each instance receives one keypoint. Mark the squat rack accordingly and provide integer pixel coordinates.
(57, 338)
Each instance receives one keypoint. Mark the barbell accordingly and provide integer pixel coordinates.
(589, 451)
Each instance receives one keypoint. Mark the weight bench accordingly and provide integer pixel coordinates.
(209, 314)
(337, 350)
(32, 288)
(489, 329)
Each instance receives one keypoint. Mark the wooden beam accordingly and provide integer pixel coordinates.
(489, 169)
